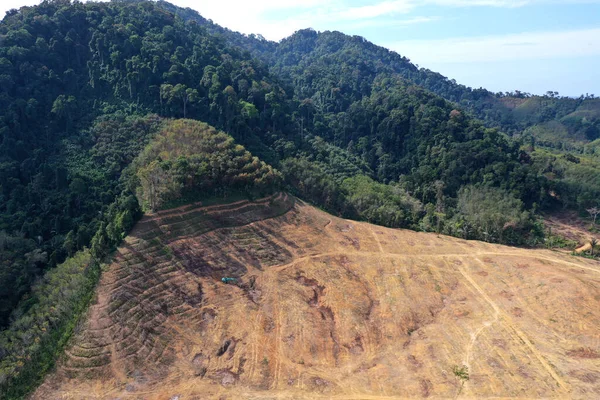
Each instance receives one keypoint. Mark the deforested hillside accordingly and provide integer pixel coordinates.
(184, 161)
(320, 307)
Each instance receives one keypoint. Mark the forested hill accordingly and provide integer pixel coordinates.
(327, 71)
(85, 88)
(548, 118)
(511, 112)
(77, 81)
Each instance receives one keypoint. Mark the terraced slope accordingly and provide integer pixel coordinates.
(329, 308)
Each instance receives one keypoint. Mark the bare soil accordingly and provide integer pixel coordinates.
(570, 226)
(325, 308)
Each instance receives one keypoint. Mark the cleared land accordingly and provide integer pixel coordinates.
(329, 308)
(569, 226)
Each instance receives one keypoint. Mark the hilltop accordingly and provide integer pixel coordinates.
(328, 308)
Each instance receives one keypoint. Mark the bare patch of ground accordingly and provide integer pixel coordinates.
(324, 308)
(572, 228)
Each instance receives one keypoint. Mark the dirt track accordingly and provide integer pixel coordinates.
(329, 308)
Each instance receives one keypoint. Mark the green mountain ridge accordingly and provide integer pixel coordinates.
(511, 112)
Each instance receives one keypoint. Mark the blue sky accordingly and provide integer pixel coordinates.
(502, 45)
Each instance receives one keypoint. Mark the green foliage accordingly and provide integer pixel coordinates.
(59, 210)
(492, 214)
(558, 242)
(309, 181)
(30, 346)
(573, 184)
(117, 139)
(461, 372)
(192, 157)
(20, 262)
(381, 204)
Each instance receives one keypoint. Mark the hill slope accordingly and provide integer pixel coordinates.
(87, 75)
(326, 307)
(512, 112)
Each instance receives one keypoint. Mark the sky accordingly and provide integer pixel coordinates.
(502, 45)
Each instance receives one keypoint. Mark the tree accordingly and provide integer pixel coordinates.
(157, 185)
(594, 211)
(189, 158)
(185, 95)
(180, 93)
(490, 211)
(99, 244)
(462, 374)
(63, 107)
(165, 94)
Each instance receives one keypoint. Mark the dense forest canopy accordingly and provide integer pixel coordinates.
(89, 94)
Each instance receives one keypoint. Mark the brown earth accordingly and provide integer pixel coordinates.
(570, 226)
(329, 308)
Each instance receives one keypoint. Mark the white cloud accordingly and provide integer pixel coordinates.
(276, 19)
(376, 10)
(389, 22)
(500, 3)
(417, 20)
(522, 46)
(253, 17)
(10, 4)
(482, 3)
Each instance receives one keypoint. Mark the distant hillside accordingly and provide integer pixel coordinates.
(511, 112)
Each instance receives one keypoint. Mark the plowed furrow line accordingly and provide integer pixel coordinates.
(508, 322)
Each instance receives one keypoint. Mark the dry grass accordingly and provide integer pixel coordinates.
(329, 308)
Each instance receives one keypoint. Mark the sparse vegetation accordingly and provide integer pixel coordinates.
(30, 347)
(494, 215)
(558, 242)
(594, 211)
(178, 303)
(462, 374)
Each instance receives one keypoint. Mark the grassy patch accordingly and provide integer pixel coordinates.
(461, 372)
